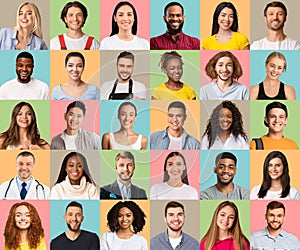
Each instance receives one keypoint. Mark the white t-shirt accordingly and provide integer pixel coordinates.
(110, 241)
(69, 140)
(271, 195)
(175, 142)
(34, 90)
(163, 191)
(231, 143)
(114, 42)
(73, 43)
(175, 242)
(287, 44)
(138, 89)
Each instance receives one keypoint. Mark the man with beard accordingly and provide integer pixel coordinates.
(122, 188)
(123, 87)
(75, 238)
(24, 87)
(273, 236)
(275, 16)
(225, 189)
(174, 38)
(174, 237)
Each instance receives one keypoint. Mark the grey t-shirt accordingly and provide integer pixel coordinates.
(212, 193)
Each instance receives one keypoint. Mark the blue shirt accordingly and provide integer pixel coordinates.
(160, 140)
(92, 93)
(263, 240)
(9, 41)
(19, 183)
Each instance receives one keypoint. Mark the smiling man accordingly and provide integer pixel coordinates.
(174, 136)
(123, 188)
(275, 16)
(225, 170)
(75, 238)
(74, 15)
(124, 87)
(273, 236)
(174, 38)
(74, 137)
(174, 237)
(24, 87)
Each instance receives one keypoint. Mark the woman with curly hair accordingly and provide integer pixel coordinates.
(125, 219)
(23, 229)
(23, 132)
(175, 184)
(276, 180)
(224, 129)
(225, 231)
(74, 179)
(172, 65)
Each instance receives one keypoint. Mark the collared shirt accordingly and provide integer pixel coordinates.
(19, 183)
(263, 240)
(125, 190)
(232, 142)
(161, 241)
(182, 42)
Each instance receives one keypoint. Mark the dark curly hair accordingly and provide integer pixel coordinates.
(213, 128)
(138, 216)
(12, 233)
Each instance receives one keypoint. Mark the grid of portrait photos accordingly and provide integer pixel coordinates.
(149, 124)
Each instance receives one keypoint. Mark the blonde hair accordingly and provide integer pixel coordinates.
(37, 22)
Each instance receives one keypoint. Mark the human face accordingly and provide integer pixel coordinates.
(74, 19)
(276, 120)
(22, 217)
(25, 17)
(24, 69)
(275, 218)
(127, 116)
(175, 167)
(176, 118)
(24, 117)
(225, 218)
(125, 218)
(25, 166)
(225, 19)
(125, 169)
(174, 19)
(73, 218)
(225, 171)
(275, 168)
(225, 119)
(74, 169)
(124, 17)
(124, 68)
(174, 69)
(175, 218)
(224, 68)
(275, 68)
(275, 18)
(74, 119)
(75, 68)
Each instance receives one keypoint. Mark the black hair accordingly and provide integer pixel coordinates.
(26, 154)
(77, 104)
(126, 54)
(74, 204)
(173, 4)
(225, 155)
(74, 54)
(25, 54)
(76, 4)
(173, 204)
(275, 105)
(178, 105)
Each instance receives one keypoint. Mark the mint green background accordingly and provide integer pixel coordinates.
(91, 26)
(207, 209)
(42, 113)
(141, 176)
(191, 69)
(257, 114)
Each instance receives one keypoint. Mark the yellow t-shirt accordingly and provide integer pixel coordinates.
(269, 143)
(237, 42)
(161, 92)
(25, 246)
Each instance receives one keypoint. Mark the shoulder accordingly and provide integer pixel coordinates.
(240, 36)
(143, 42)
(254, 92)
(190, 239)
(8, 32)
(206, 42)
(157, 238)
(254, 192)
(157, 134)
(207, 194)
(106, 40)
(90, 235)
(257, 44)
(58, 239)
(289, 92)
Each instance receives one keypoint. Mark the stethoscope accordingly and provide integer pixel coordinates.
(39, 185)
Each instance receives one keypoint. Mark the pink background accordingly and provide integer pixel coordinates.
(292, 219)
(242, 55)
(58, 123)
(43, 208)
(192, 158)
(143, 12)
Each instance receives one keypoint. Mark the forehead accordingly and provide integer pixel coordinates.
(125, 8)
(174, 61)
(124, 210)
(74, 210)
(275, 211)
(224, 59)
(176, 111)
(75, 159)
(277, 111)
(226, 161)
(74, 10)
(175, 158)
(228, 210)
(277, 60)
(76, 110)
(124, 160)
(75, 59)
(175, 9)
(125, 61)
(26, 7)
(24, 60)
(227, 10)
(275, 9)
(276, 161)
(28, 158)
(225, 111)
(127, 108)
(174, 210)
(22, 209)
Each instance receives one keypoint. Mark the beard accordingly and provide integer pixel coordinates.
(24, 80)
(174, 31)
(224, 183)
(74, 229)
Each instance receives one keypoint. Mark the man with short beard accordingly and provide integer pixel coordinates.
(174, 237)
(273, 236)
(174, 38)
(75, 238)
(225, 189)
(275, 16)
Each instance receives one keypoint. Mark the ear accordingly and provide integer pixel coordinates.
(266, 120)
(65, 116)
(115, 18)
(165, 19)
(286, 121)
(82, 218)
(215, 169)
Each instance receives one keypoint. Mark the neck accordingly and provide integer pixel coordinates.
(23, 179)
(223, 234)
(223, 85)
(74, 33)
(173, 84)
(124, 232)
(23, 234)
(275, 135)
(24, 33)
(125, 35)
(271, 82)
(123, 81)
(223, 135)
(23, 133)
(174, 36)
(73, 235)
(226, 189)
(175, 182)
(273, 232)
(175, 133)
(72, 131)
(125, 131)
(126, 183)
(174, 234)
(276, 185)
(222, 32)
(75, 83)
(276, 36)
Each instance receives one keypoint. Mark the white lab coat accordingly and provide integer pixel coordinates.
(33, 193)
